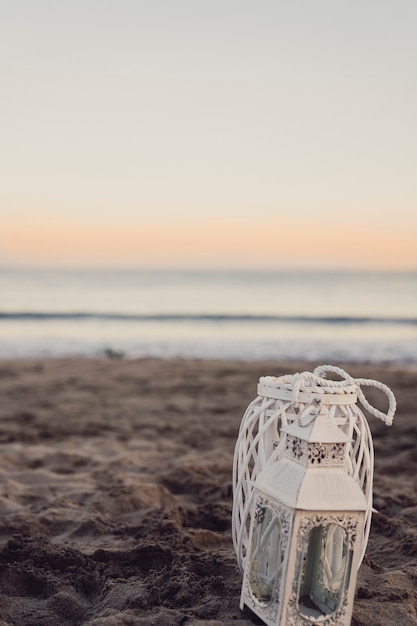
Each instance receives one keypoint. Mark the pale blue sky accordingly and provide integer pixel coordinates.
(132, 110)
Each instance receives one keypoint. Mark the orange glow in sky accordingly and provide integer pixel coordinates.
(205, 242)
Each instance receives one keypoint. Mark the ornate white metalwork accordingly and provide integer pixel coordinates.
(279, 403)
(326, 454)
(349, 523)
(319, 454)
(284, 516)
(296, 449)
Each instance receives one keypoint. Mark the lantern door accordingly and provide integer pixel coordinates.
(324, 575)
(265, 575)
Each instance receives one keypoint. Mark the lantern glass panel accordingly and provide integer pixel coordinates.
(267, 556)
(326, 567)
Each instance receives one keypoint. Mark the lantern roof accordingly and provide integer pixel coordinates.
(315, 426)
(306, 488)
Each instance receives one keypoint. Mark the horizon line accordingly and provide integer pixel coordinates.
(187, 268)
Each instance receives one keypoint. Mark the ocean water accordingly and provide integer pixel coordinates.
(324, 316)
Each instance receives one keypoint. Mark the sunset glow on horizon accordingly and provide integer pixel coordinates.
(209, 135)
(210, 243)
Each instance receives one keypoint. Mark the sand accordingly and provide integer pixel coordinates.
(115, 493)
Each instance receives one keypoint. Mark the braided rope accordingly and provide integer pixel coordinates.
(259, 441)
(387, 417)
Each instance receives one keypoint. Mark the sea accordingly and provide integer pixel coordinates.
(325, 316)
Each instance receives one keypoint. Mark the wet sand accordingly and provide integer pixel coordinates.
(115, 493)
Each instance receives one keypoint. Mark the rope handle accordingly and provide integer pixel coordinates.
(320, 372)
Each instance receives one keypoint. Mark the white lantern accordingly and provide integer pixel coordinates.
(300, 528)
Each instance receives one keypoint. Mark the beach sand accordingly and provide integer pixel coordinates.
(116, 492)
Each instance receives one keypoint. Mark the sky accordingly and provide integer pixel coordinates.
(224, 133)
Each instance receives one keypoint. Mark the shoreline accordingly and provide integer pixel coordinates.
(116, 492)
